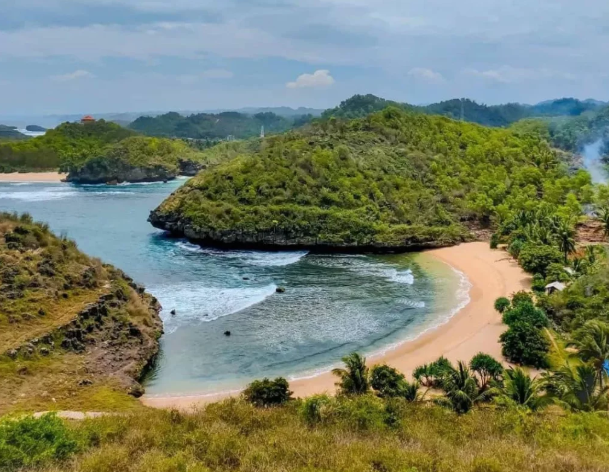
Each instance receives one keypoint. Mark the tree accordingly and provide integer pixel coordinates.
(592, 342)
(520, 389)
(354, 379)
(387, 381)
(431, 375)
(604, 218)
(487, 368)
(462, 391)
(526, 345)
(526, 313)
(535, 258)
(565, 237)
(267, 392)
(502, 304)
(577, 389)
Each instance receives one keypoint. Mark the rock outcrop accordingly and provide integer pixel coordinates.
(101, 170)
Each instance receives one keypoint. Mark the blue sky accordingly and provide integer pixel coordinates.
(72, 56)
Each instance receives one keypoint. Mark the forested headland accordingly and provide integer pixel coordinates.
(392, 180)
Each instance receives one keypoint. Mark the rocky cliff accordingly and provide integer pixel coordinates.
(73, 331)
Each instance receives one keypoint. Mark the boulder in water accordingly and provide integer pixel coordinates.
(280, 290)
(227, 333)
(173, 313)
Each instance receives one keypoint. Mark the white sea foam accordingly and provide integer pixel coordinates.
(195, 303)
(255, 258)
(48, 193)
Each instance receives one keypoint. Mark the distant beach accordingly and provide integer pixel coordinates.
(32, 177)
(475, 328)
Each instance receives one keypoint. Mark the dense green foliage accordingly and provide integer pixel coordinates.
(359, 106)
(354, 378)
(68, 145)
(525, 342)
(267, 392)
(219, 126)
(391, 179)
(32, 442)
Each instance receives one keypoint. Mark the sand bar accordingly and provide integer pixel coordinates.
(476, 328)
(32, 177)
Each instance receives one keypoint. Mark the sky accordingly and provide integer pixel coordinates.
(86, 56)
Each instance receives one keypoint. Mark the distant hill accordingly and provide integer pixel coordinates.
(489, 115)
(11, 133)
(215, 126)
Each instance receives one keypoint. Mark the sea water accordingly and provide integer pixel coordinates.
(333, 304)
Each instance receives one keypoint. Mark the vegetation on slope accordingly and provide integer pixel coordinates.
(215, 126)
(359, 106)
(68, 145)
(138, 159)
(74, 333)
(11, 133)
(486, 419)
(391, 180)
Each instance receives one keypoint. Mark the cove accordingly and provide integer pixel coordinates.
(333, 304)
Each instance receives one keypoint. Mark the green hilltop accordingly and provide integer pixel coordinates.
(392, 180)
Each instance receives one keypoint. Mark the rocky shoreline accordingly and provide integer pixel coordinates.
(279, 240)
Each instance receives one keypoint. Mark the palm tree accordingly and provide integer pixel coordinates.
(410, 391)
(523, 390)
(354, 379)
(576, 388)
(604, 218)
(591, 254)
(592, 342)
(461, 388)
(565, 237)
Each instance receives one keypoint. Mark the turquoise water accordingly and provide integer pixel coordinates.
(333, 304)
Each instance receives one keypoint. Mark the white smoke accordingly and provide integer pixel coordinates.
(593, 162)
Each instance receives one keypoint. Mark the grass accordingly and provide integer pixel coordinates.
(54, 353)
(366, 434)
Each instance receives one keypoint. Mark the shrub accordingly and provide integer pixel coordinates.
(526, 313)
(536, 258)
(494, 241)
(33, 442)
(316, 409)
(387, 381)
(556, 272)
(521, 297)
(539, 283)
(515, 248)
(502, 304)
(487, 368)
(526, 345)
(268, 392)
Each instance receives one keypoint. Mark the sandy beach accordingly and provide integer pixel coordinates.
(32, 177)
(476, 328)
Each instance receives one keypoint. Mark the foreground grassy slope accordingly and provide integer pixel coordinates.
(391, 180)
(74, 332)
(359, 435)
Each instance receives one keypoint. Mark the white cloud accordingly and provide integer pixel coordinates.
(318, 79)
(76, 75)
(426, 75)
(511, 75)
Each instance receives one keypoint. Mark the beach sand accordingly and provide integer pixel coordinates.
(476, 328)
(33, 177)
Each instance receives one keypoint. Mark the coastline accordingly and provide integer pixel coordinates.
(475, 328)
(33, 177)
